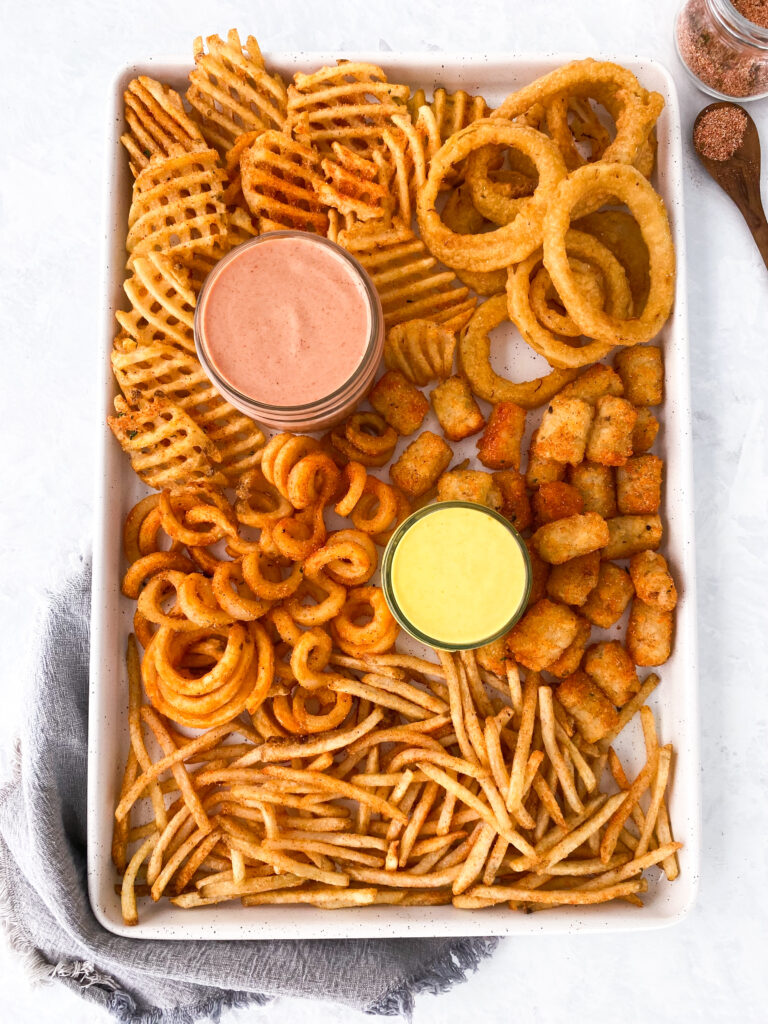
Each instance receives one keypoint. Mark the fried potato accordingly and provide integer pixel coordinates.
(610, 437)
(280, 182)
(177, 207)
(539, 574)
(232, 91)
(609, 666)
(631, 534)
(515, 505)
(401, 404)
(568, 538)
(594, 714)
(564, 429)
(570, 659)
(351, 184)
(158, 125)
(493, 657)
(649, 633)
(539, 469)
(164, 444)
(652, 580)
(607, 602)
(410, 284)
(573, 581)
(469, 485)
(499, 447)
(642, 372)
(421, 350)
(644, 431)
(596, 486)
(542, 635)
(638, 485)
(456, 409)
(420, 465)
(593, 383)
(556, 500)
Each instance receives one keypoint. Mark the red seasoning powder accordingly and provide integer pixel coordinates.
(720, 132)
(723, 58)
(755, 11)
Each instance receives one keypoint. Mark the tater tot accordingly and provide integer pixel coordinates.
(630, 534)
(539, 575)
(593, 383)
(456, 409)
(573, 581)
(610, 436)
(499, 445)
(638, 485)
(421, 464)
(469, 485)
(641, 369)
(570, 659)
(563, 431)
(652, 580)
(556, 500)
(594, 714)
(607, 602)
(568, 538)
(596, 486)
(649, 634)
(609, 665)
(401, 404)
(493, 657)
(644, 431)
(541, 470)
(543, 633)
(515, 505)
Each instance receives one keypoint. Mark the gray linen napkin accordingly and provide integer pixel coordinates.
(44, 901)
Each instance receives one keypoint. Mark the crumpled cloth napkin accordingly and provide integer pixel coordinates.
(44, 902)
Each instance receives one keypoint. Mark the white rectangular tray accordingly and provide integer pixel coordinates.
(675, 701)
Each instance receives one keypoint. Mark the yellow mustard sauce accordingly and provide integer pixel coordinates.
(459, 575)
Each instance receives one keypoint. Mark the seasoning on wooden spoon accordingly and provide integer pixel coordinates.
(728, 145)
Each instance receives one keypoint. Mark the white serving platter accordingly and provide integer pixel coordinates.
(675, 701)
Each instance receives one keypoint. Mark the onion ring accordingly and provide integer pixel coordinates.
(555, 350)
(507, 244)
(628, 185)
(474, 360)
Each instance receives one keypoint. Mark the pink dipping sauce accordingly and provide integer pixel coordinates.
(285, 322)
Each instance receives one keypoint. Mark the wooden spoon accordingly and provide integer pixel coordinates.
(739, 176)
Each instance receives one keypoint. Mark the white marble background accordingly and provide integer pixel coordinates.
(56, 66)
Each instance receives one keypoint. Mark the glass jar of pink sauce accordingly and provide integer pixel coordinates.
(289, 329)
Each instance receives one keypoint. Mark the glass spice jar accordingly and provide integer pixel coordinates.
(725, 53)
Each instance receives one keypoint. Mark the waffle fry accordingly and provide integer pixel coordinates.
(162, 301)
(280, 181)
(178, 206)
(164, 444)
(351, 186)
(351, 103)
(158, 125)
(233, 193)
(421, 350)
(231, 90)
(144, 369)
(452, 110)
(406, 276)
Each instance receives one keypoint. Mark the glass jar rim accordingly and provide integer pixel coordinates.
(376, 318)
(738, 24)
(388, 588)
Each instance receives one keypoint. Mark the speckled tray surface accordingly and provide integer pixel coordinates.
(675, 701)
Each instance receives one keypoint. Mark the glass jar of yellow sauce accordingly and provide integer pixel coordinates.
(456, 575)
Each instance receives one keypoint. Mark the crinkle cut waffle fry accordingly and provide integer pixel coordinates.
(231, 90)
(407, 277)
(158, 125)
(280, 181)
